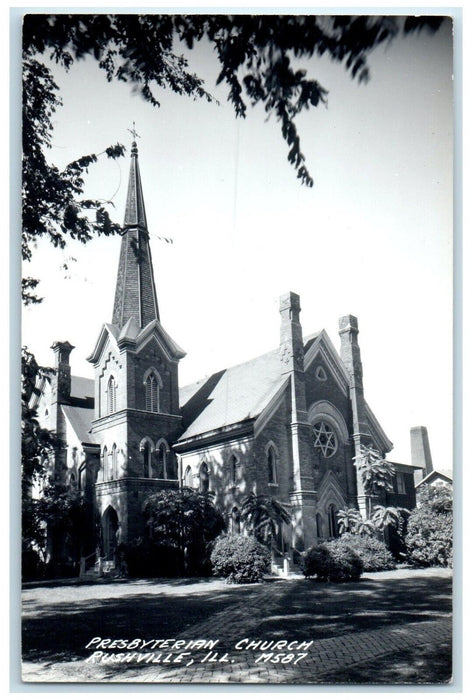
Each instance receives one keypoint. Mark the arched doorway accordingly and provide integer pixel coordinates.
(332, 521)
(109, 530)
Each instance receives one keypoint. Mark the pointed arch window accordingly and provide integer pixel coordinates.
(271, 465)
(160, 471)
(146, 449)
(332, 522)
(111, 395)
(204, 478)
(113, 463)
(153, 385)
(82, 477)
(188, 478)
(105, 463)
(233, 470)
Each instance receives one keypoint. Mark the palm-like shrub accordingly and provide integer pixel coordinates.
(263, 515)
(385, 516)
(376, 473)
(351, 521)
(239, 559)
(365, 527)
(374, 553)
(332, 561)
(348, 520)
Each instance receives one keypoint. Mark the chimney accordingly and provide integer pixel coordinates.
(420, 452)
(62, 381)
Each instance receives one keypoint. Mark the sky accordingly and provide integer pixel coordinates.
(372, 238)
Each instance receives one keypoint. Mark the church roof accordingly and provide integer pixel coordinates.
(80, 419)
(80, 411)
(82, 389)
(230, 396)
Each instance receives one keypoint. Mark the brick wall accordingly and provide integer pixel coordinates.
(151, 356)
(218, 458)
(276, 432)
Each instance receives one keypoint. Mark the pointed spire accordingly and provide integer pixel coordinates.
(135, 213)
(135, 295)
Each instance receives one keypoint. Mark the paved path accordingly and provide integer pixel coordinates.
(318, 661)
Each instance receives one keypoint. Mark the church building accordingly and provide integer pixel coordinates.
(287, 424)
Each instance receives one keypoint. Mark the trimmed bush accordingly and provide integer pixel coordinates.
(239, 559)
(333, 561)
(144, 559)
(429, 537)
(373, 552)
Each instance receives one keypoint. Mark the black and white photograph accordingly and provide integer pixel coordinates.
(237, 236)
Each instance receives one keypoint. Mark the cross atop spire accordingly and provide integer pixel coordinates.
(134, 133)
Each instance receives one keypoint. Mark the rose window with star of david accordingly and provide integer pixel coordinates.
(325, 439)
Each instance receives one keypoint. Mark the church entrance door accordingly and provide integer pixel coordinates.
(109, 529)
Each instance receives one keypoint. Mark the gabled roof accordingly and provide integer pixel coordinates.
(230, 396)
(82, 391)
(171, 348)
(241, 393)
(135, 337)
(108, 330)
(320, 344)
(80, 419)
(433, 476)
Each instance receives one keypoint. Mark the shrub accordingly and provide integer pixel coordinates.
(333, 561)
(374, 553)
(437, 496)
(145, 559)
(239, 559)
(429, 537)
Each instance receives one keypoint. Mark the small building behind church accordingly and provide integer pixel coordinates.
(288, 424)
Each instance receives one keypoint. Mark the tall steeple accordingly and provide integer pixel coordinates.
(135, 294)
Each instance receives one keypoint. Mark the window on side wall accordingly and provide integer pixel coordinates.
(204, 478)
(271, 465)
(401, 487)
(233, 470)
